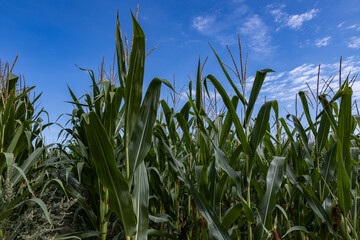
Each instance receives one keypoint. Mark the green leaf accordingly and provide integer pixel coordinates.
(140, 141)
(141, 200)
(261, 123)
(8, 107)
(103, 157)
(186, 134)
(169, 121)
(305, 105)
(268, 202)
(344, 129)
(323, 133)
(79, 235)
(161, 234)
(328, 111)
(220, 155)
(198, 97)
(76, 101)
(207, 212)
(22, 174)
(227, 123)
(160, 191)
(239, 129)
(343, 157)
(217, 229)
(134, 80)
(16, 140)
(6, 159)
(27, 165)
(327, 170)
(241, 97)
(43, 207)
(112, 105)
(295, 228)
(231, 215)
(120, 53)
(316, 206)
(258, 82)
(303, 138)
(343, 182)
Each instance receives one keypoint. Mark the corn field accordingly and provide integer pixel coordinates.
(132, 167)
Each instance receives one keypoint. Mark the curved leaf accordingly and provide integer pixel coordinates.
(239, 129)
(258, 82)
(103, 157)
(140, 141)
(268, 202)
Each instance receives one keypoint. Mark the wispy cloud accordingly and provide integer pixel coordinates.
(203, 23)
(340, 24)
(285, 85)
(279, 15)
(352, 26)
(219, 23)
(257, 32)
(294, 21)
(211, 26)
(297, 20)
(322, 42)
(349, 27)
(184, 95)
(354, 43)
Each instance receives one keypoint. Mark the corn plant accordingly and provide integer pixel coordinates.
(251, 177)
(114, 136)
(21, 150)
(139, 172)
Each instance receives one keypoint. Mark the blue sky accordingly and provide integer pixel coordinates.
(291, 37)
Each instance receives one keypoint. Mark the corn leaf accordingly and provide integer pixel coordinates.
(103, 157)
(268, 202)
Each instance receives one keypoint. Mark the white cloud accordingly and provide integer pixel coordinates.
(340, 24)
(354, 43)
(285, 85)
(203, 23)
(275, 77)
(184, 95)
(349, 27)
(322, 41)
(212, 27)
(352, 26)
(294, 21)
(279, 15)
(304, 69)
(219, 25)
(257, 32)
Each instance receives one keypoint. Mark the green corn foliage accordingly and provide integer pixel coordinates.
(114, 110)
(22, 150)
(289, 188)
(143, 172)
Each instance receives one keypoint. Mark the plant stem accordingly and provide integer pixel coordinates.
(355, 212)
(103, 210)
(127, 162)
(248, 197)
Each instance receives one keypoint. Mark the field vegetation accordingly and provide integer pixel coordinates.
(133, 166)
